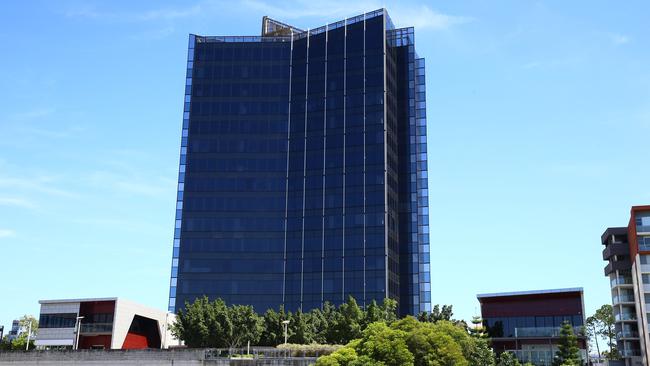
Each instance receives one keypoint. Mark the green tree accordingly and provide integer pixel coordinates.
(568, 353)
(5, 345)
(441, 343)
(389, 310)
(202, 323)
(25, 321)
(459, 334)
(385, 345)
(348, 323)
(218, 323)
(477, 329)
(612, 354)
(29, 328)
(432, 345)
(437, 314)
(332, 318)
(373, 314)
(273, 330)
(319, 324)
(407, 324)
(481, 353)
(301, 326)
(602, 324)
(386, 312)
(342, 357)
(508, 359)
(20, 343)
(246, 326)
(591, 328)
(410, 342)
(214, 324)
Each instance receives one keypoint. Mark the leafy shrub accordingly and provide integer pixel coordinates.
(309, 350)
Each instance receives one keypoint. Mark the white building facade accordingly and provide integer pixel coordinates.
(103, 323)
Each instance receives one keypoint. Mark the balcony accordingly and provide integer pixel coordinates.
(617, 266)
(535, 357)
(620, 281)
(625, 317)
(622, 299)
(629, 352)
(627, 334)
(96, 328)
(615, 249)
(542, 332)
(539, 357)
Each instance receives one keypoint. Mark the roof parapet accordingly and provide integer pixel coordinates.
(274, 28)
(535, 292)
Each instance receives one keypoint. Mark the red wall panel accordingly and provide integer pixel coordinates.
(86, 342)
(135, 341)
(631, 228)
(96, 307)
(532, 305)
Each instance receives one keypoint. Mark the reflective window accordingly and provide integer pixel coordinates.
(301, 163)
(60, 320)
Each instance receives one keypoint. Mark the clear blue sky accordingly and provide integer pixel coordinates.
(539, 118)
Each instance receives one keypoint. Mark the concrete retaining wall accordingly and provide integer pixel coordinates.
(186, 357)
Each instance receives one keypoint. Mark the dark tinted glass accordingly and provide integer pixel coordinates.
(302, 176)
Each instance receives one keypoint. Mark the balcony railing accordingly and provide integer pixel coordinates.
(615, 249)
(538, 357)
(625, 316)
(536, 332)
(620, 265)
(621, 281)
(627, 334)
(629, 352)
(622, 298)
(96, 327)
(542, 358)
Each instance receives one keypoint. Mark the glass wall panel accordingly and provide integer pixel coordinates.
(302, 173)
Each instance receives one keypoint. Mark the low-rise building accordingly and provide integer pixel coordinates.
(528, 323)
(102, 323)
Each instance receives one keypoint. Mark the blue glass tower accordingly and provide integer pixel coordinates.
(303, 168)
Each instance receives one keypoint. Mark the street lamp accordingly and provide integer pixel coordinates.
(78, 326)
(29, 333)
(285, 323)
(166, 329)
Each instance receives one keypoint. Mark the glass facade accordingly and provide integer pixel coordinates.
(523, 326)
(303, 174)
(59, 320)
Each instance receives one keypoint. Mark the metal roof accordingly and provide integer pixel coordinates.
(533, 292)
(63, 301)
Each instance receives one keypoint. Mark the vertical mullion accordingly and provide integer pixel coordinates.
(322, 279)
(304, 178)
(345, 92)
(386, 226)
(286, 204)
(364, 160)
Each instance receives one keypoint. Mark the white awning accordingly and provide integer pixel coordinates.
(54, 342)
